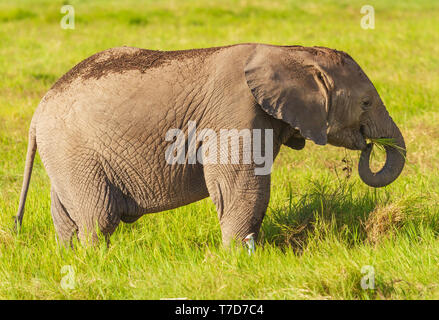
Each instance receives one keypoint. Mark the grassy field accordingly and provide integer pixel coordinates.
(323, 224)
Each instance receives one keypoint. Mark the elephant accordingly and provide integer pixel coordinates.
(101, 130)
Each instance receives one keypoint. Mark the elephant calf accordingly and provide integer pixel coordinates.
(102, 130)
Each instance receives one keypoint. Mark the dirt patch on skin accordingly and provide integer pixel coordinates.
(337, 57)
(121, 59)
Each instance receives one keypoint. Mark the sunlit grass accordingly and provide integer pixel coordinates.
(322, 225)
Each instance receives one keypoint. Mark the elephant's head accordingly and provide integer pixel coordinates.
(327, 98)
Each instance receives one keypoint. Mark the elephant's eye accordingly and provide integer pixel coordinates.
(366, 104)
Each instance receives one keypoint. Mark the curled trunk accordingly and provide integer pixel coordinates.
(395, 160)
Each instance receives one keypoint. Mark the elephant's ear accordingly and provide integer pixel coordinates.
(289, 86)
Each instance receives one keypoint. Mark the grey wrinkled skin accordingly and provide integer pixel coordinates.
(100, 130)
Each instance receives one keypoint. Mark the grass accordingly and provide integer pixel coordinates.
(323, 224)
(377, 158)
(385, 142)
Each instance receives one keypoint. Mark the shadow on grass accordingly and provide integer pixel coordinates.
(326, 209)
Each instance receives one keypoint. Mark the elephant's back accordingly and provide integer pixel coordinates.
(124, 59)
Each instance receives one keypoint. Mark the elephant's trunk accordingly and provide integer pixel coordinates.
(395, 159)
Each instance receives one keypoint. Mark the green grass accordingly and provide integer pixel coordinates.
(323, 224)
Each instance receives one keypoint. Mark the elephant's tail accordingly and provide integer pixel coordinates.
(31, 150)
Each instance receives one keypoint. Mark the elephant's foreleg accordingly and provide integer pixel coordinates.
(241, 199)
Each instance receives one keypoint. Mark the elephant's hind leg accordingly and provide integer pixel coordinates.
(98, 212)
(85, 199)
(65, 227)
